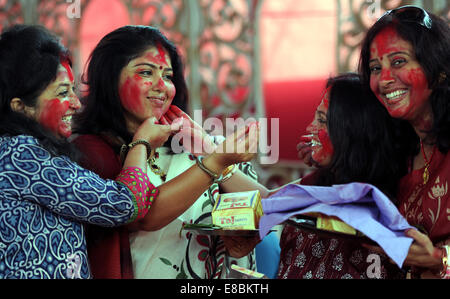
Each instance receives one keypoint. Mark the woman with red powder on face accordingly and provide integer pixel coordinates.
(405, 60)
(352, 140)
(45, 197)
(135, 73)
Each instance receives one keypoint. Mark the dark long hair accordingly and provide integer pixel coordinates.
(29, 60)
(102, 110)
(432, 50)
(363, 136)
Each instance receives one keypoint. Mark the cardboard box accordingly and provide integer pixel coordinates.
(239, 210)
(332, 224)
(237, 272)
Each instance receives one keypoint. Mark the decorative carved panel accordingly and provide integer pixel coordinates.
(217, 38)
(356, 16)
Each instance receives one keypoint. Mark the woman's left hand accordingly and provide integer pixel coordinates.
(193, 137)
(421, 254)
(238, 247)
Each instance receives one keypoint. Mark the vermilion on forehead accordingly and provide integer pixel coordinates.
(66, 65)
(158, 58)
(388, 41)
(324, 102)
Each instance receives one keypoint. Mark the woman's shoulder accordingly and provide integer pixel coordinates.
(17, 140)
(90, 143)
(98, 155)
(86, 138)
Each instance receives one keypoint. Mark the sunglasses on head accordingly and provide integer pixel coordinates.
(410, 13)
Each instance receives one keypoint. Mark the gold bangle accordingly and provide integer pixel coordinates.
(228, 173)
(228, 170)
(125, 148)
(445, 272)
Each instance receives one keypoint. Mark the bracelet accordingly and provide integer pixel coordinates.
(125, 148)
(445, 272)
(216, 177)
(228, 173)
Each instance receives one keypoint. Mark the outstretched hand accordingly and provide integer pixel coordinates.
(193, 137)
(156, 134)
(241, 146)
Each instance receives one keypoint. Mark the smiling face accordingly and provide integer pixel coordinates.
(57, 103)
(145, 86)
(396, 77)
(322, 149)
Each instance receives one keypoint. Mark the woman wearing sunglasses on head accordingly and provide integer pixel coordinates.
(405, 60)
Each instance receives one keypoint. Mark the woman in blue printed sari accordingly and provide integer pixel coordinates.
(45, 197)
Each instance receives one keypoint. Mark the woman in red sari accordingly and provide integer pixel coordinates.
(405, 60)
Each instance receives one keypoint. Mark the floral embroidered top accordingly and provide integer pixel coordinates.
(169, 252)
(44, 201)
(175, 253)
(428, 206)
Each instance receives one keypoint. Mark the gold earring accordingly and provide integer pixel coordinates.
(442, 77)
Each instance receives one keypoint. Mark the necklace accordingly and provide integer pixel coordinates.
(155, 168)
(426, 172)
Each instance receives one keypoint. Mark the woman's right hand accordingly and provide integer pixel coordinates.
(304, 150)
(155, 133)
(239, 247)
(241, 146)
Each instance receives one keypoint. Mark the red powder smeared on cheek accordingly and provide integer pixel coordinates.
(419, 82)
(137, 78)
(327, 147)
(66, 65)
(51, 115)
(419, 94)
(130, 96)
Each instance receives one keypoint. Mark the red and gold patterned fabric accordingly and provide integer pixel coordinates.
(307, 255)
(427, 206)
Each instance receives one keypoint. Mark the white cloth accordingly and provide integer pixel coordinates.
(174, 253)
